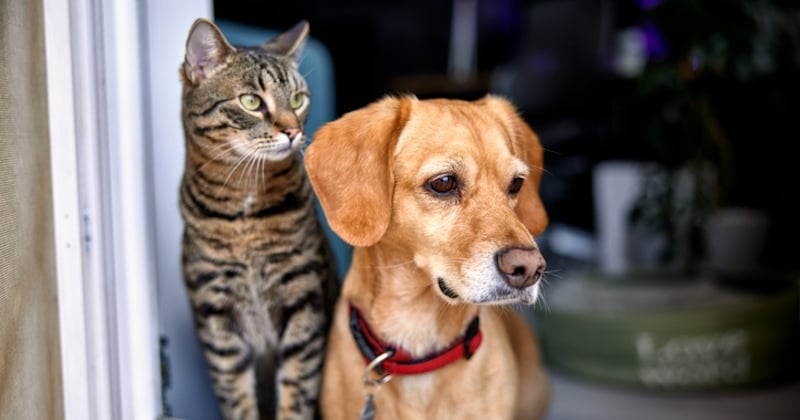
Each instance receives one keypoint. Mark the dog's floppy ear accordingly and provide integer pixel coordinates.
(529, 206)
(349, 163)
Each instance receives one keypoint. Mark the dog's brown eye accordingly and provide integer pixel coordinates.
(515, 186)
(443, 185)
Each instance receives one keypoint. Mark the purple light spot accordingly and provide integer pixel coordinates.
(648, 4)
(654, 42)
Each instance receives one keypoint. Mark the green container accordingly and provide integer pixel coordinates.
(671, 332)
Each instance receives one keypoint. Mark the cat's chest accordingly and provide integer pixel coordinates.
(254, 303)
(248, 202)
(249, 205)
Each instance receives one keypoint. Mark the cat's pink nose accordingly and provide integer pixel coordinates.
(291, 132)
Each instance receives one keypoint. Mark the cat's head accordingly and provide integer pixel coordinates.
(245, 101)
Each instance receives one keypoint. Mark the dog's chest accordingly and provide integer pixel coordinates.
(417, 386)
(445, 396)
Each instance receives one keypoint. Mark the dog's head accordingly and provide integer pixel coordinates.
(452, 184)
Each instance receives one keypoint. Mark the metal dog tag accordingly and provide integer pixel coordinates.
(368, 411)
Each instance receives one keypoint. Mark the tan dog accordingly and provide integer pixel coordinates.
(440, 200)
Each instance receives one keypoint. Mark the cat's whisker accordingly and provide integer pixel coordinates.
(247, 175)
(262, 174)
(231, 171)
(264, 179)
(216, 153)
(260, 168)
(223, 147)
(309, 72)
(245, 178)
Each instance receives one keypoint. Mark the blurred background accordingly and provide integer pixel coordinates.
(650, 80)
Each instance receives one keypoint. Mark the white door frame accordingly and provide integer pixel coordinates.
(100, 110)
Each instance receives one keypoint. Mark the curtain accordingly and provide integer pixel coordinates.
(30, 367)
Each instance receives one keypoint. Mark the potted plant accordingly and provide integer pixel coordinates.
(703, 59)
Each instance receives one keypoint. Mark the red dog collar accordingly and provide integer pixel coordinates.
(400, 361)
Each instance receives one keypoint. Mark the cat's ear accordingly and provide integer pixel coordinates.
(349, 164)
(206, 50)
(291, 42)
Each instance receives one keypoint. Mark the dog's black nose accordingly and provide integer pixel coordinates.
(520, 267)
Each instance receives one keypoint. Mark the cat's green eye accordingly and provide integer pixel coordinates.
(250, 102)
(298, 99)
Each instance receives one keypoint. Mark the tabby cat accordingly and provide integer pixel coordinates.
(256, 264)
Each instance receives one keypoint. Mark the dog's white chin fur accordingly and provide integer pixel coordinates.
(489, 290)
(505, 296)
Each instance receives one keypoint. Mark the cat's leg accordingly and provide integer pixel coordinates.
(231, 359)
(231, 365)
(302, 349)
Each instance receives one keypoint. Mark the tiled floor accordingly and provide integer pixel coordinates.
(574, 399)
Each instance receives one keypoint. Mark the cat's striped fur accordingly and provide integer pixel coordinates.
(256, 264)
